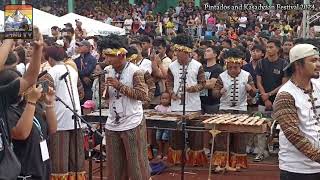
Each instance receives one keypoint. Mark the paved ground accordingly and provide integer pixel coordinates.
(267, 170)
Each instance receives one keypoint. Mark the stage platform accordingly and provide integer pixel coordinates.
(266, 170)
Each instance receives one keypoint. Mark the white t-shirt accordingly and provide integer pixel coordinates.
(127, 25)
(64, 115)
(72, 49)
(145, 65)
(108, 20)
(220, 27)
(178, 9)
(21, 68)
(242, 22)
(206, 17)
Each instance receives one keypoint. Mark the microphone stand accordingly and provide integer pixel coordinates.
(100, 75)
(92, 129)
(75, 118)
(184, 78)
(100, 123)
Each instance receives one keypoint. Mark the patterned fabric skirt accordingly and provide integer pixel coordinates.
(127, 154)
(62, 151)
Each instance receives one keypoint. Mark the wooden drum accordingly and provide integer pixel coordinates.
(176, 146)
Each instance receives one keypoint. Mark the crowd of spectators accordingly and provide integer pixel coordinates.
(143, 18)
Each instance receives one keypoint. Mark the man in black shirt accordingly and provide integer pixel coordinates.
(270, 74)
(257, 53)
(210, 104)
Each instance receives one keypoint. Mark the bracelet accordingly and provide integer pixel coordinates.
(32, 103)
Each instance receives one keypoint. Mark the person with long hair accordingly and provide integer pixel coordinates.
(11, 90)
(31, 123)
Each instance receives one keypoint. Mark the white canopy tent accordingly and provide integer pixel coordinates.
(93, 27)
(41, 19)
(44, 21)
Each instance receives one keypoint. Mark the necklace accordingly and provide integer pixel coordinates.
(312, 99)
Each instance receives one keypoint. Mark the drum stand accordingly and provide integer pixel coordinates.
(214, 133)
(90, 150)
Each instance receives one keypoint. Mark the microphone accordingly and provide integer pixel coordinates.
(100, 74)
(42, 74)
(63, 76)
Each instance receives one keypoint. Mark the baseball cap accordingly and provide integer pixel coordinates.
(84, 43)
(301, 51)
(68, 25)
(91, 41)
(89, 104)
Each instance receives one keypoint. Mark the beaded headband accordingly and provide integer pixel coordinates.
(115, 52)
(133, 57)
(234, 60)
(178, 47)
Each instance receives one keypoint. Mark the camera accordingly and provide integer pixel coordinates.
(45, 86)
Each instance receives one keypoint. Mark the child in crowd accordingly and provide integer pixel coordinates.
(88, 107)
(162, 136)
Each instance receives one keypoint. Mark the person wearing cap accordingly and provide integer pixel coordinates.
(79, 31)
(86, 64)
(88, 107)
(125, 127)
(296, 108)
(68, 25)
(232, 87)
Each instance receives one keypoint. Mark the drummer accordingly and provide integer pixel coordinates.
(195, 78)
(233, 86)
(195, 82)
